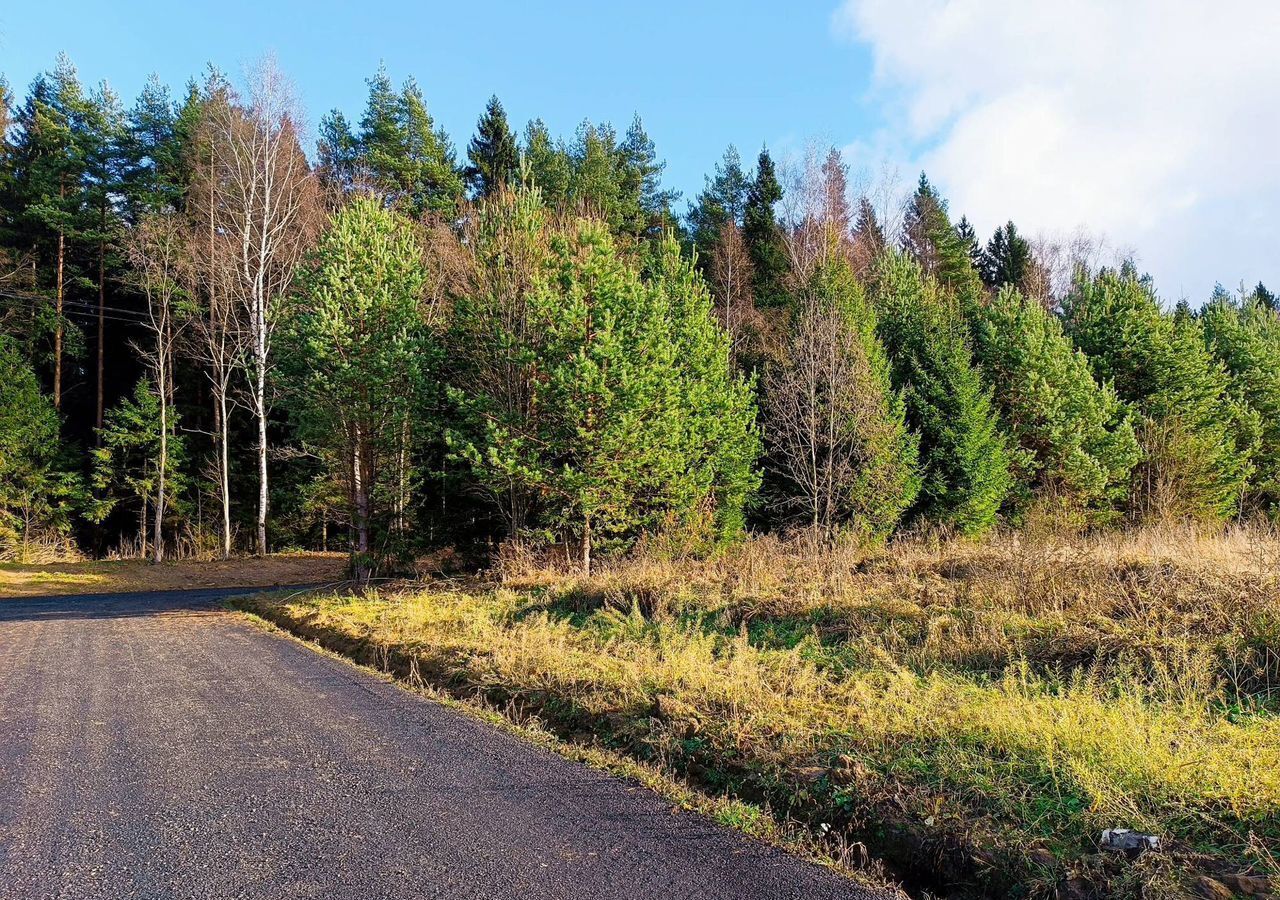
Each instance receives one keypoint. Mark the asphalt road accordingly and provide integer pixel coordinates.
(155, 746)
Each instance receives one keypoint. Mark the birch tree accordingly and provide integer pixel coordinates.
(266, 209)
(216, 338)
(157, 252)
(837, 433)
(729, 277)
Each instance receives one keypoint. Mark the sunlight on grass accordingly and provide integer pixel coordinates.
(14, 576)
(924, 690)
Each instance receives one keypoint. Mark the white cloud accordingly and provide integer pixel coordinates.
(1156, 122)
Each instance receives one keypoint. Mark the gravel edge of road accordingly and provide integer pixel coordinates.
(796, 841)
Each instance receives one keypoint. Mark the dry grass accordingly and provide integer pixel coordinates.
(108, 576)
(980, 712)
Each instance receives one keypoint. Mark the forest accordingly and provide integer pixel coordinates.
(937, 557)
(223, 339)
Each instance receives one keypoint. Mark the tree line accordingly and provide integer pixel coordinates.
(217, 342)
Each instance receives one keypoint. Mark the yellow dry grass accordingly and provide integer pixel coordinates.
(1010, 698)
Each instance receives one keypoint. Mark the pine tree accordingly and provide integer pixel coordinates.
(155, 179)
(1196, 438)
(50, 159)
(717, 406)
(399, 151)
(1245, 338)
(1077, 443)
(107, 178)
(618, 182)
(356, 351)
(493, 153)
(837, 429)
(8, 256)
(646, 205)
(965, 460)
(1007, 259)
(493, 335)
(594, 188)
(763, 234)
(624, 417)
(433, 181)
(6, 110)
(548, 164)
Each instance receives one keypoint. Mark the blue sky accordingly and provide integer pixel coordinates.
(701, 75)
(1092, 114)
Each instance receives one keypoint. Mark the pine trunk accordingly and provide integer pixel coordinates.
(102, 325)
(58, 286)
(360, 489)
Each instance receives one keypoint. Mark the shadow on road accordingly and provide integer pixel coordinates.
(121, 606)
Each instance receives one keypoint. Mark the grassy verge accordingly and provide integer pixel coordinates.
(976, 715)
(108, 576)
(823, 847)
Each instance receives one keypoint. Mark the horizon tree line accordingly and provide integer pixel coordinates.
(212, 336)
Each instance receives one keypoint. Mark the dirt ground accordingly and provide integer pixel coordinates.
(111, 576)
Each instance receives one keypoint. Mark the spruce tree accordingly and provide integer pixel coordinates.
(337, 155)
(722, 200)
(929, 239)
(1266, 297)
(1077, 444)
(965, 459)
(762, 234)
(39, 492)
(868, 238)
(493, 153)
(836, 213)
(1007, 259)
(126, 465)
(1196, 437)
(969, 240)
